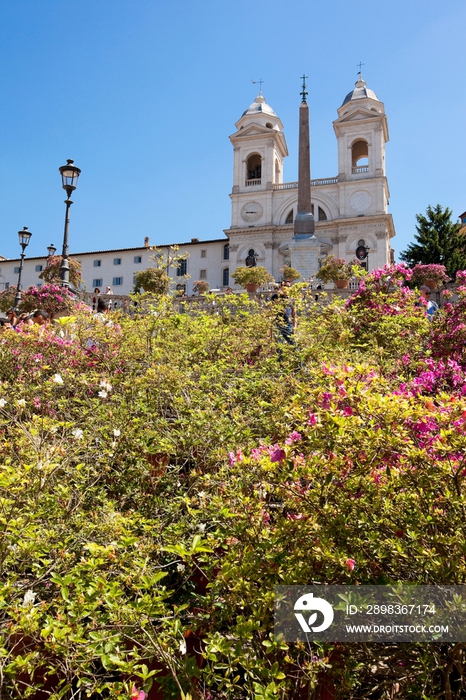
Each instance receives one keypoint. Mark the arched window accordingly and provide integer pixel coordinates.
(322, 215)
(254, 167)
(226, 277)
(360, 156)
(289, 218)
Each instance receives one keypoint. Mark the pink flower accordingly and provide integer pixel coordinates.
(347, 411)
(312, 418)
(293, 437)
(238, 457)
(137, 694)
(350, 563)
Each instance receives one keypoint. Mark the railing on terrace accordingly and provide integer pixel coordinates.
(314, 183)
(313, 296)
(250, 183)
(360, 169)
(117, 301)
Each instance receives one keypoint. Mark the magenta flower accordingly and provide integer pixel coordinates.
(312, 418)
(277, 453)
(347, 411)
(293, 437)
(350, 563)
(137, 694)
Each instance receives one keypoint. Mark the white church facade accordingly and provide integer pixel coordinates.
(350, 209)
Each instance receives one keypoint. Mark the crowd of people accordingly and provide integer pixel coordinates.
(15, 320)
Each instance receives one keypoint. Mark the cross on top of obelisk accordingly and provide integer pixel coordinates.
(304, 92)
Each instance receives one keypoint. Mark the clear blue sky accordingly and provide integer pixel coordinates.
(143, 95)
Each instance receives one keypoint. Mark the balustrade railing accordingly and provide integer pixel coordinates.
(251, 183)
(314, 183)
(360, 169)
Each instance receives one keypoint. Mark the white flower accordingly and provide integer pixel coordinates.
(183, 647)
(57, 378)
(77, 433)
(28, 599)
(2, 403)
(180, 567)
(116, 433)
(201, 527)
(105, 385)
(102, 394)
(21, 402)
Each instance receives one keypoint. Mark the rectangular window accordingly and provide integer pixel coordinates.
(203, 253)
(203, 275)
(117, 281)
(97, 282)
(182, 268)
(117, 261)
(137, 259)
(226, 252)
(16, 270)
(97, 263)
(39, 268)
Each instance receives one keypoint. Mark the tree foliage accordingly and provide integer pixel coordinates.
(51, 272)
(438, 240)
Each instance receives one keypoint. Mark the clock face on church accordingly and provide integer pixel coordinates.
(251, 211)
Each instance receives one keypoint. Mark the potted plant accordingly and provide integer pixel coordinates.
(336, 270)
(429, 275)
(251, 278)
(201, 286)
(289, 274)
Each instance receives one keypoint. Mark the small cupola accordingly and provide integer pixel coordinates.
(360, 92)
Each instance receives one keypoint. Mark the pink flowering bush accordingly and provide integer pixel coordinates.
(50, 297)
(434, 273)
(448, 337)
(383, 311)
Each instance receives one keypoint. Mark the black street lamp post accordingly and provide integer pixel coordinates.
(69, 175)
(24, 237)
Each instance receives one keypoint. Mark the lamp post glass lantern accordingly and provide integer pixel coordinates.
(51, 250)
(69, 175)
(24, 238)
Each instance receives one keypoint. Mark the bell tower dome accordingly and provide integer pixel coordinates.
(259, 148)
(362, 132)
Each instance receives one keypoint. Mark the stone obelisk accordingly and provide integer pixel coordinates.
(304, 248)
(304, 220)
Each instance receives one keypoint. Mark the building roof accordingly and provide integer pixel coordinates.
(360, 91)
(123, 250)
(259, 106)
